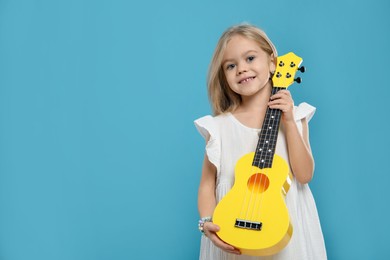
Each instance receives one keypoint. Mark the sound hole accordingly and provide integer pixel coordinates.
(258, 183)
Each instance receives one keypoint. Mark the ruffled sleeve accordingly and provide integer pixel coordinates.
(304, 110)
(207, 127)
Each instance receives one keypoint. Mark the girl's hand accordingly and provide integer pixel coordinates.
(283, 101)
(209, 230)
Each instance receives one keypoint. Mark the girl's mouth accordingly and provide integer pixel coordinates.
(246, 80)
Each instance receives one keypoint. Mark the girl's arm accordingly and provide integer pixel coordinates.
(299, 152)
(298, 146)
(206, 192)
(207, 203)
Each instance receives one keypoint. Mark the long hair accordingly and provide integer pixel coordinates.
(221, 97)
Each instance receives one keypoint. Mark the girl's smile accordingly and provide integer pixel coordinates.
(245, 80)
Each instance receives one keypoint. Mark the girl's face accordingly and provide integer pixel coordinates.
(246, 66)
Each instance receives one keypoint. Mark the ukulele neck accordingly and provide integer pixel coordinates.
(268, 136)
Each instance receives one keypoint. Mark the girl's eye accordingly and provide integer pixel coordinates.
(230, 66)
(250, 58)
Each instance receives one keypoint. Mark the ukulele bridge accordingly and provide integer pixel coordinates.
(246, 224)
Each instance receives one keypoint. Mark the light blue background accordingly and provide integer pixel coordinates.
(99, 158)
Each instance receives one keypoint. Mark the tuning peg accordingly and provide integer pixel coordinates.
(298, 80)
(302, 69)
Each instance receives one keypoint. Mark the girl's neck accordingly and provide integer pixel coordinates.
(256, 102)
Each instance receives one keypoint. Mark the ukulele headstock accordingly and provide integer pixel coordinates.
(286, 68)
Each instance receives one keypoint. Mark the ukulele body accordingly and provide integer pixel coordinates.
(253, 216)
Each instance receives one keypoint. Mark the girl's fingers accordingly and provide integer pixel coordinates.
(281, 100)
(280, 107)
(226, 247)
(279, 104)
(210, 227)
(210, 230)
(280, 94)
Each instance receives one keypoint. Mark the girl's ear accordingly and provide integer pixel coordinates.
(272, 65)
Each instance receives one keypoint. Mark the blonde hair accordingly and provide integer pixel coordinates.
(221, 97)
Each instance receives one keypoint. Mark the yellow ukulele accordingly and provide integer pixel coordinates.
(253, 216)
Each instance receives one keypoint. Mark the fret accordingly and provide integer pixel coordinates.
(268, 136)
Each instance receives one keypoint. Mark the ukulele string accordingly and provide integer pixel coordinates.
(251, 187)
(263, 132)
(247, 201)
(261, 149)
(252, 183)
(242, 214)
(254, 171)
(262, 160)
(269, 123)
(255, 189)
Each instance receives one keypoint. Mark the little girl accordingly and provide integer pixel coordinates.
(239, 86)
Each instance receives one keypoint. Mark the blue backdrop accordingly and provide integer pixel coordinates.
(99, 158)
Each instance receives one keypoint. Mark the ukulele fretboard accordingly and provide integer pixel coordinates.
(268, 136)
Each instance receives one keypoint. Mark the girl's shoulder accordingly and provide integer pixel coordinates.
(304, 110)
(217, 117)
(210, 125)
(212, 120)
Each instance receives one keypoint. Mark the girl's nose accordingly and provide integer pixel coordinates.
(241, 68)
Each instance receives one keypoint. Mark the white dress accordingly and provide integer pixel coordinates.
(229, 139)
